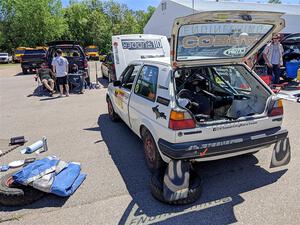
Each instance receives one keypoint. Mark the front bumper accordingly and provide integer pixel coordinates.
(221, 146)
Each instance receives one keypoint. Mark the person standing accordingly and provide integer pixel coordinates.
(273, 57)
(60, 68)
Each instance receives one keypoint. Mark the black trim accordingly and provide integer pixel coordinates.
(163, 87)
(163, 101)
(221, 146)
(193, 132)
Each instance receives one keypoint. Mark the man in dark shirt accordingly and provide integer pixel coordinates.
(47, 77)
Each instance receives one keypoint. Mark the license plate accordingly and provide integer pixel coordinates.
(34, 64)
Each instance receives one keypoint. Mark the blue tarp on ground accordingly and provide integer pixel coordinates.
(51, 175)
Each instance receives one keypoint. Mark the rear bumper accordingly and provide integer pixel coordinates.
(221, 146)
(35, 65)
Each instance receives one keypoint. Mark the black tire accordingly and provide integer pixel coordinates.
(111, 112)
(195, 189)
(12, 194)
(24, 71)
(152, 156)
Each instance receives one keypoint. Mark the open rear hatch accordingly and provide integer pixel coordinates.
(208, 50)
(221, 36)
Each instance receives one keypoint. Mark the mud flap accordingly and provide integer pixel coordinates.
(176, 180)
(281, 153)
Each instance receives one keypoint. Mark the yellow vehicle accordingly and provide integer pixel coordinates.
(19, 52)
(91, 52)
(42, 47)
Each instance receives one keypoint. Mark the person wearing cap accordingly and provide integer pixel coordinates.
(60, 67)
(273, 57)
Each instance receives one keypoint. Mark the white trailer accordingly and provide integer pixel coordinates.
(127, 48)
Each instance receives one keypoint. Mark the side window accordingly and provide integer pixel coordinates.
(147, 82)
(128, 76)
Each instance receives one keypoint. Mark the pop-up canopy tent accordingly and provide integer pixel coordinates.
(161, 21)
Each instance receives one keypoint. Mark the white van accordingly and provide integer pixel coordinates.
(127, 48)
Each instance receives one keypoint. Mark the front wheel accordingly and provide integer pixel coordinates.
(111, 112)
(24, 71)
(152, 156)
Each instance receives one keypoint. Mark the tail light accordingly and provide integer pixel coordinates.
(180, 120)
(276, 109)
(113, 67)
(21, 59)
(85, 63)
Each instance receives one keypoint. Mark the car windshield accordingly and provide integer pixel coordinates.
(19, 51)
(32, 52)
(218, 40)
(3, 54)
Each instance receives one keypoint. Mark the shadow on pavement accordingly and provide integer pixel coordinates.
(27, 74)
(224, 181)
(48, 200)
(103, 81)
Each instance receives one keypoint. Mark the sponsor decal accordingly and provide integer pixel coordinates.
(137, 217)
(158, 114)
(136, 44)
(221, 143)
(235, 51)
(234, 125)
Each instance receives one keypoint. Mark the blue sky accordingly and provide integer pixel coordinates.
(143, 4)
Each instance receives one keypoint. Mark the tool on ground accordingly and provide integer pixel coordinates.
(16, 164)
(20, 140)
(40, 145)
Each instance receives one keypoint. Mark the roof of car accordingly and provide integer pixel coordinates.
(159, 60)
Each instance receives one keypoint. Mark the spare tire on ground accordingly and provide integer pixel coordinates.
(195, 188)
(13, 194)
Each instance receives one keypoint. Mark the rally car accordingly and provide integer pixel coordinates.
(203, 103)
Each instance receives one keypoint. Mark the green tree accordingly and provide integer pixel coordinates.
(30, 22)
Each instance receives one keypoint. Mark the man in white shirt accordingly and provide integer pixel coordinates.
(60, 68)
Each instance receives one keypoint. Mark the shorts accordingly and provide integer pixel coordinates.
(46, 78)
(62, 80)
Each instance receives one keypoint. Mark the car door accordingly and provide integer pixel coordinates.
(123, 92)
(143, 99)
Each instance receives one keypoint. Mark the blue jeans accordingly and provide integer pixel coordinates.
(77, 83)
(275, 73)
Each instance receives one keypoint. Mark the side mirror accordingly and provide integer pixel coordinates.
(117, 83)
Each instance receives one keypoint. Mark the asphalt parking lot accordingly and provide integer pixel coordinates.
(239, 190)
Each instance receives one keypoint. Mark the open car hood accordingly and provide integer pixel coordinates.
(221, 36)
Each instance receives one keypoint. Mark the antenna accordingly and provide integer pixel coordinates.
(193, 5)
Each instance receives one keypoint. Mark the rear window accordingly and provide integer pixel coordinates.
(92, 49)
(69, 52)
(218, 40)
(31, 52)
(19, 51)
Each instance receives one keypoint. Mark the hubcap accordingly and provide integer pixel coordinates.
(149, 150)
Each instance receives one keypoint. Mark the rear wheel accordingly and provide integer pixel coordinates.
(111, 112)
(24, 71)
(152, 156)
